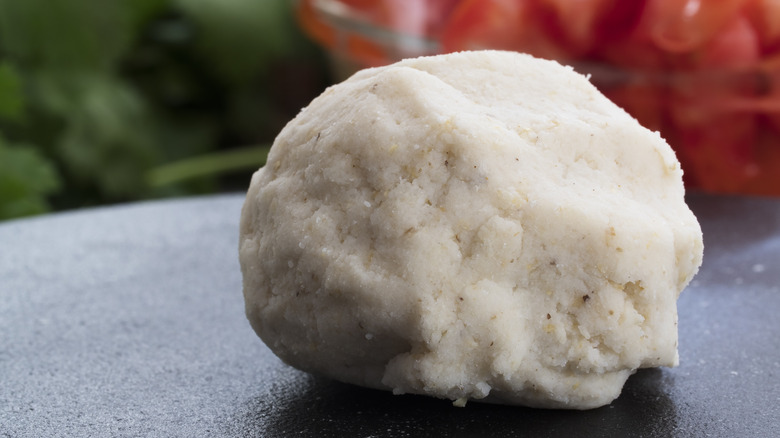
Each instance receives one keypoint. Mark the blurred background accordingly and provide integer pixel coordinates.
(115, 101)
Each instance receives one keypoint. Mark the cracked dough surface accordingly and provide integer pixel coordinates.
(480, 225)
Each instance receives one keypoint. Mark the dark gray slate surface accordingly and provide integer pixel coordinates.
(128, 321)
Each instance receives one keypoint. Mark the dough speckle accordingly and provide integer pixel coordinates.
(473, 226)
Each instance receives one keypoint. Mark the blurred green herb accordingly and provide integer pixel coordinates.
(25, 180)
(195, 167)
(104, 102)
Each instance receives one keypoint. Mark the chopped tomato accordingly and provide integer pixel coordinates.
(774, 121)
(736, 47)
(765, 15)
(583, 25)
(679, 26)
(314, 26)
(767, 182)
(706, 73)
(576, 21)
(643, 101)
(719, 151)
(619, 20)
(408, 16)
(499, 24)
(439, 12)
(771, 108)
(485, 24)
(634, 53)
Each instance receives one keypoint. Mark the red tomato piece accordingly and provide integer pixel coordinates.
(578, 20)
(439, 12)
(774, 120)
(619, 20)
(634, 52)
(407, 16)
(584, 25)
(499, 24)
(735, 47)
(679, 26)
(311, 23)
(352, 46)
(767, 182)
(716, 147)
(765, 14)
(644, 102)
(365, 52)
(485, 24)
(719, 154)
(770, 105)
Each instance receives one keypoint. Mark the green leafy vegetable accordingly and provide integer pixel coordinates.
(11, 96)
(25, 180)
(104, 102)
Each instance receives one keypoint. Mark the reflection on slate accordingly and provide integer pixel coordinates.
(128, 321)
(324, 408)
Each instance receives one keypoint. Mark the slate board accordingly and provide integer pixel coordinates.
(128, 321)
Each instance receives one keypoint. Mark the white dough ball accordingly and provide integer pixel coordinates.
(473, 226)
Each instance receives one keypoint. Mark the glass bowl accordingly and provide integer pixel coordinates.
(705, 74)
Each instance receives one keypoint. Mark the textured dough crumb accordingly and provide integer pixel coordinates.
(473, 226)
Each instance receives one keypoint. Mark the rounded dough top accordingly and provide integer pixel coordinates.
(479, 225)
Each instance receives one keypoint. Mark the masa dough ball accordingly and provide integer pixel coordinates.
(480, 225)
